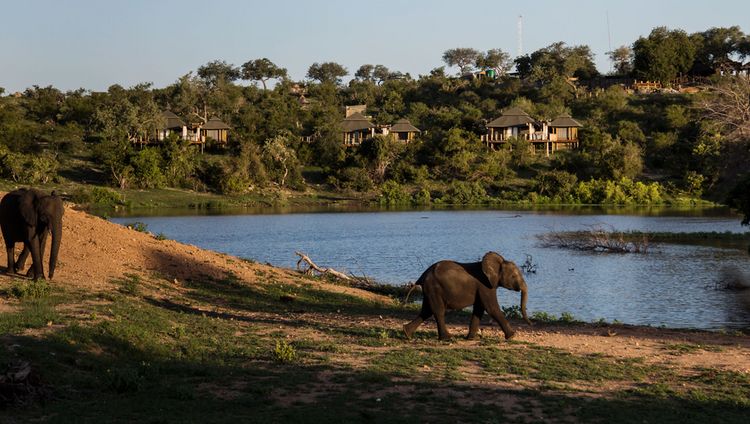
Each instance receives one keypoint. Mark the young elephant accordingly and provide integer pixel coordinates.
(449, 285)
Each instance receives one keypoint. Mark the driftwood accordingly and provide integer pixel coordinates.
(311, 266)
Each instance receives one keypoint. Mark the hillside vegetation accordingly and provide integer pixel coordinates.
(682, 138)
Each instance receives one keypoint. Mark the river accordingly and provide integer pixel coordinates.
(671, 285)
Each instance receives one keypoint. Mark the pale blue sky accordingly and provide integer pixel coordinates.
(96, 43)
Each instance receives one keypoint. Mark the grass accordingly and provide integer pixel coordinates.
(226, 351)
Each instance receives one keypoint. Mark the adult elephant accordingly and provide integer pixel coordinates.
(27, 215)
(449, 285)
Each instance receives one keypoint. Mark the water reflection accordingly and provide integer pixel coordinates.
(665, 287)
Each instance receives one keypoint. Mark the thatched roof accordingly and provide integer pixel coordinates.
(215, 124)
(356, 122)
(512, 117)
(171, 121)
(564, 121)
(403, 125)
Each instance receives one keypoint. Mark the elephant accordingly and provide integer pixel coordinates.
(26, 215)
(449, 285)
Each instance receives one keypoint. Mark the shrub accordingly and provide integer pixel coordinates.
(393, 193)
(465, 193)
(353, 178)
(23, 289)
(284, 352)
(422, 197)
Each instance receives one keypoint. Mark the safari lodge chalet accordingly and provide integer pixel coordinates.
(356, 128)
(545, 137)
(197, 134)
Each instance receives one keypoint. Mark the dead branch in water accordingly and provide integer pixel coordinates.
(597, 239)
(306, 266)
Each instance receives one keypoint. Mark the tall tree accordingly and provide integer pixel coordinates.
(663, 55)
(496, 59)
(330, 72)
(218, 72)
(716, 45)
(262, 70)
(622, 60)
(462, 57)
(364, 72)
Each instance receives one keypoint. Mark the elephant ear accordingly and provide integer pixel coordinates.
(27, 208)
(492, 265)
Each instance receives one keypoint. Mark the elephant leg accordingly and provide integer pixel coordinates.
(22, 258)
(476, 317)
(21, 262)
(36, 261)
(439, 311)
(10, 251)
(489, 300)
(425, 313)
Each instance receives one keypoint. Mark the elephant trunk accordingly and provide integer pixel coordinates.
(56, 229)
(524, 297)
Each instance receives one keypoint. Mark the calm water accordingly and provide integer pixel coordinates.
(667, 286)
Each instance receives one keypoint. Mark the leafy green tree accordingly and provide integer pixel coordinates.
(364, 72)
(147, 168)
(381, 73)
(462, 57)
(262, 70)
(282, 159)
(717, 44)
(327, 72)
(496, 59)
(622, 60)
(663, 55)
(381, 152)
(218, 72)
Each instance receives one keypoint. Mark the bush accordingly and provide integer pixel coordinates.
(555, 184)
(465, 193)
(28, 169)
(99, 197)
(284, 352)
(422, 197)
(23, 289)
(393, 193)
(352, 178)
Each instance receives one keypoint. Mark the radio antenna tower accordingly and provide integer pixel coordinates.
(520, 35)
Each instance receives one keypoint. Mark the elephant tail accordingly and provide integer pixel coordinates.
(419, 282)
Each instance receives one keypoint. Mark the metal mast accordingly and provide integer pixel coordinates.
(520, 35)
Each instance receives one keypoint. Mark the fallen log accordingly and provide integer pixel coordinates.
(312, 266)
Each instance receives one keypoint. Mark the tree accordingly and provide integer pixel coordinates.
(381, 73)
(622, 60)
(728, 107)
(218, 72)
(462, 57)
(718, 44)
(495, 59)
(381, 151)
(364, 72)
(282, 156)
(262, 70)
(663, 55)
(328, 72)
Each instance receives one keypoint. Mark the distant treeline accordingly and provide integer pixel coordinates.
(288, 134)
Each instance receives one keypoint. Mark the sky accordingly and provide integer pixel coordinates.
(93, 44)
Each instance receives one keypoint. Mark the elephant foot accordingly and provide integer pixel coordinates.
(408, 332)
(471, 337)
(509, 335)
(445, 338)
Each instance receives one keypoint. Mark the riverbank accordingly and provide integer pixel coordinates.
(109, 201)
(134, 328)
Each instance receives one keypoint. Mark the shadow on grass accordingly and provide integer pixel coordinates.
(106, 377)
